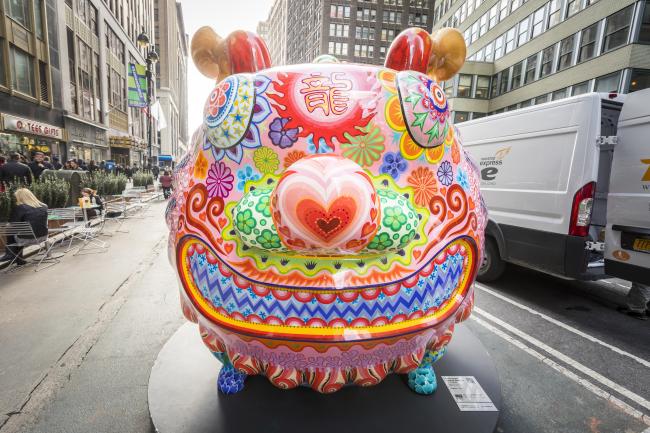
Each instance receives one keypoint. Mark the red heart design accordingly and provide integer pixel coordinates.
(368, 229)
(228, 248)
(202, 216)
(416, 254)
(327, 223)
(222, 222)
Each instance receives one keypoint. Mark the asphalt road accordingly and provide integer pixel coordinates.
(78, 342)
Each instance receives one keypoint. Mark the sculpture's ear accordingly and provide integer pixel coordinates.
(239, 52)
(439, 55)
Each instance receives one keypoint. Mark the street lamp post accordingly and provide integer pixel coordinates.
(152, 58)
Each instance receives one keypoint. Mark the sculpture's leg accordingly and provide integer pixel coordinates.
(423, 379)
(230, 380)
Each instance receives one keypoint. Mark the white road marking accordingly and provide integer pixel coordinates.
(566, 372)
(569, 328)
(567, 360)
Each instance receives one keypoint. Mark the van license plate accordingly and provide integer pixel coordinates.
(642, 245)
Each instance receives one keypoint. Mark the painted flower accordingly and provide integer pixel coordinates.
(217, 99)
(445, 173)
(280, 136)
(245, 174)
(455, 153)
(461, 178)
(267, 239)
(322, 147)
(220, 180)
(201, 166)
(364, 149)
(424, 185)
(394, 164)
(266, 160)
(406, 239)
(245, 222)
(263, 206)
(394, 218)
(293, 156)
(381, 242)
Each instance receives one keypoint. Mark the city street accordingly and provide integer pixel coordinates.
(79, 340)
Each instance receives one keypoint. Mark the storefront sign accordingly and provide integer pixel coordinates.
(84, 133)
(28, 126)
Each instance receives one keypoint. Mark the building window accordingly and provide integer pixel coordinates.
(365, 33)
(588, 43)
(494, 15)
(489, 52)
(482, 29)
(22, 68)
(639, 80)
(494, 87)
(523, 32)
(460, 116)
(644, 34)
(559, 94)
(477, 115)
(572, 7)
(554, 12)
(617, 29)
(503, 9)
(3, 75)
(516, 76)
(547, 61)
(538, 22)
(391, 17)
(515, 5)
(387, 35)
(531, 67)
(510, 39)
(566, 52)
(607, 83)
(482, 87)
(541, 99)
(464, 86)
(474, 32)
(38, 14)
(18, 10)
(498, 47)
(526, 103)
(580, 88)
(503, 82)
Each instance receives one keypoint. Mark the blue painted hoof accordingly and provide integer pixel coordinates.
(230, 380)
(423, 380)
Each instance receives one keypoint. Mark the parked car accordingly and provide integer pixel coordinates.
(627, 239)
(545, 174)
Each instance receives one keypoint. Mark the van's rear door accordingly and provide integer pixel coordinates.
(627, 238)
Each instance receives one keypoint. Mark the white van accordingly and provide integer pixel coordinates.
(627, 239)
(544, 177)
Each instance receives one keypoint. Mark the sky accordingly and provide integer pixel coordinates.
(223, 17)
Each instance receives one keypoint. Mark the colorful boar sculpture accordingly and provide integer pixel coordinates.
(326, 223)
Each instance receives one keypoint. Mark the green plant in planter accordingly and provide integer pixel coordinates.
(142, 179)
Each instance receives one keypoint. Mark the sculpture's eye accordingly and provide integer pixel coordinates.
(425, 108)
(228, 111)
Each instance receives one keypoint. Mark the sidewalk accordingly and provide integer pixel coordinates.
(78, 339)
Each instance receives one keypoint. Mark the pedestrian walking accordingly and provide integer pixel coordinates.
(637, 301)
(166, 184)
(39, 165)
(15, 171)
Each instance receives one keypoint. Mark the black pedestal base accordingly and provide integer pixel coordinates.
(183, 397)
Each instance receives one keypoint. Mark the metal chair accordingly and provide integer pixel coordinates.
(74, 218)
(23, 235)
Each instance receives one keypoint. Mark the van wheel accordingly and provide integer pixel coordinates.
(492, 266)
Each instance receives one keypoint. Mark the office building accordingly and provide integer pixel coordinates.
(522, 53)
(352, 30)
(171, 71)
(31, 106)
(99, 40)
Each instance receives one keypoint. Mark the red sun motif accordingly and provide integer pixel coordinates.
(327, 103)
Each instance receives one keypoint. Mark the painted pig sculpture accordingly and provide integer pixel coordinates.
(326, 223)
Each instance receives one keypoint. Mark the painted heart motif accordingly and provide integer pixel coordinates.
(325, 201)
(327, 223)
